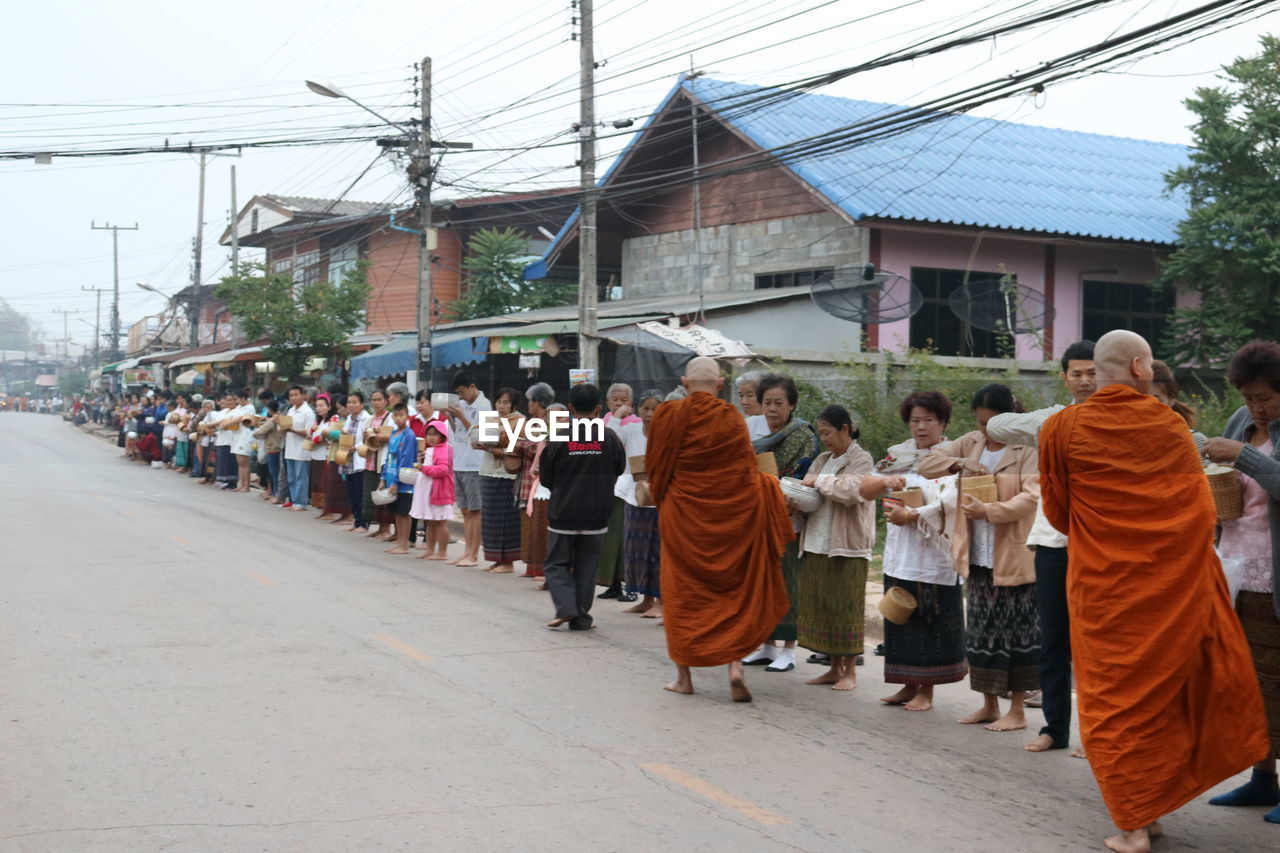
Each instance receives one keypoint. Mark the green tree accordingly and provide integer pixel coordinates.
(300, 319)
(494, 263)
(73, 382)
(1229, 243)
(15, 328)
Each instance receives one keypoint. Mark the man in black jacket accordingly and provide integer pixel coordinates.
(580, 474)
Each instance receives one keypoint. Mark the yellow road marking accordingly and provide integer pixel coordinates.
(403, 648)
(262, 579)
(180, 540)
(711, 792)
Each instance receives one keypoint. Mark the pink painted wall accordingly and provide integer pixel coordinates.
(904, 248)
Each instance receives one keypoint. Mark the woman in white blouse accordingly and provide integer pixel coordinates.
(929, 648)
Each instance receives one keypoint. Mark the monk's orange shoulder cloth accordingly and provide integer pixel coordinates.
(723, 526)
(1169, 702)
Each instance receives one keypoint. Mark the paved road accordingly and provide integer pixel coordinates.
(190, 670)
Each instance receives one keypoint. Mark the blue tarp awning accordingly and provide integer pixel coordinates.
(391, 359)
(469, 350)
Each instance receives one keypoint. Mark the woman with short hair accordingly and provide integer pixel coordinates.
(641, 545)
(531, 497)
(1251, 442)
(928, 649)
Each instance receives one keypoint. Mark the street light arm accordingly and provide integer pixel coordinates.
(333, 92)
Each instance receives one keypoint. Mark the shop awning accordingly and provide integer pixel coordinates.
(473, 349)
(391, 359)
(699, 340)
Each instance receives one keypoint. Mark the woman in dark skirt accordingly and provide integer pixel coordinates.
(929, 648)
(641, 546)
(988, 546)
(1251, 443)
(794, 445)
(500, 519)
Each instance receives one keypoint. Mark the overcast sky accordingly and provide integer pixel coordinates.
(85, 75)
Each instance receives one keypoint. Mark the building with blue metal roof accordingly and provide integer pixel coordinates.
(730, 187)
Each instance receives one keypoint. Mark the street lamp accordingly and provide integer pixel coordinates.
(420, 177)
(335, 92)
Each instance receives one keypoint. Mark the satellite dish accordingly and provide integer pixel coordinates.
(1001, 305)
(865, 295)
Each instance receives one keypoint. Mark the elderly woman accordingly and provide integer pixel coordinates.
(835, 546)
(988, 547)
(641, 549)
(531, 497)
(794, 445)
(611, 569)
(749, 403)
(1252, 444)
(929, 648)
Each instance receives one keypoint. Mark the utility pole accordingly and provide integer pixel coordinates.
(115, 288)
(421, 173)
(97, 321)
(235, 253)
(588, 291)
(197, 298)
(66, 335)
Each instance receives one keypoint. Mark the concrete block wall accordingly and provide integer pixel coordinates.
(729, 257)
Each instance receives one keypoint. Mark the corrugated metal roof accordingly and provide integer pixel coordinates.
(325, 206)
(963, 170)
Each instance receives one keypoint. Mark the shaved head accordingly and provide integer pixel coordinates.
(1123, 358)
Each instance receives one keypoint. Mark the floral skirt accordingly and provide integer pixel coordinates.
(929, 648)
(1003, 638)
(642, 550)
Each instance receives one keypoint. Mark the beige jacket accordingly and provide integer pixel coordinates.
(853, 519)
(1018, 489)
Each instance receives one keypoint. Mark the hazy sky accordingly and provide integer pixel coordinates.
(84, 75)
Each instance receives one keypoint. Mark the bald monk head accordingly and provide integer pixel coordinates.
(1123, 358)
(702, 374)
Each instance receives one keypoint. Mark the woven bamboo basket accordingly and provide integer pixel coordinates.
(912, 498)
(767, 463)
(284, 422)
(308, 444)
(897, 605)
(343, 456)
(981, 486)
(347, 441)
(1227, 491)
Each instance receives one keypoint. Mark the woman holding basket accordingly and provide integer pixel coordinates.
(988, 547)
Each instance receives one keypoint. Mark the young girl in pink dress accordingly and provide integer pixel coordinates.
(433, 495)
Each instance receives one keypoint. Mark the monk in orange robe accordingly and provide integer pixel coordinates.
(1169, 702)
(724, 526)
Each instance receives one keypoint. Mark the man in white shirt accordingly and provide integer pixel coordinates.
(225, 467)
(466, 462)
(1050, 546)
(297, 461)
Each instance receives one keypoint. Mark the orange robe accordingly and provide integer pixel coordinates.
(724, 525)
(1169, 701)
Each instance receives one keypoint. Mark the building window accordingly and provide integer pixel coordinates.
(936, 327)
(282, 265)
(307, 269)
(1141, 308)
(342, 259)
(793, 278)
